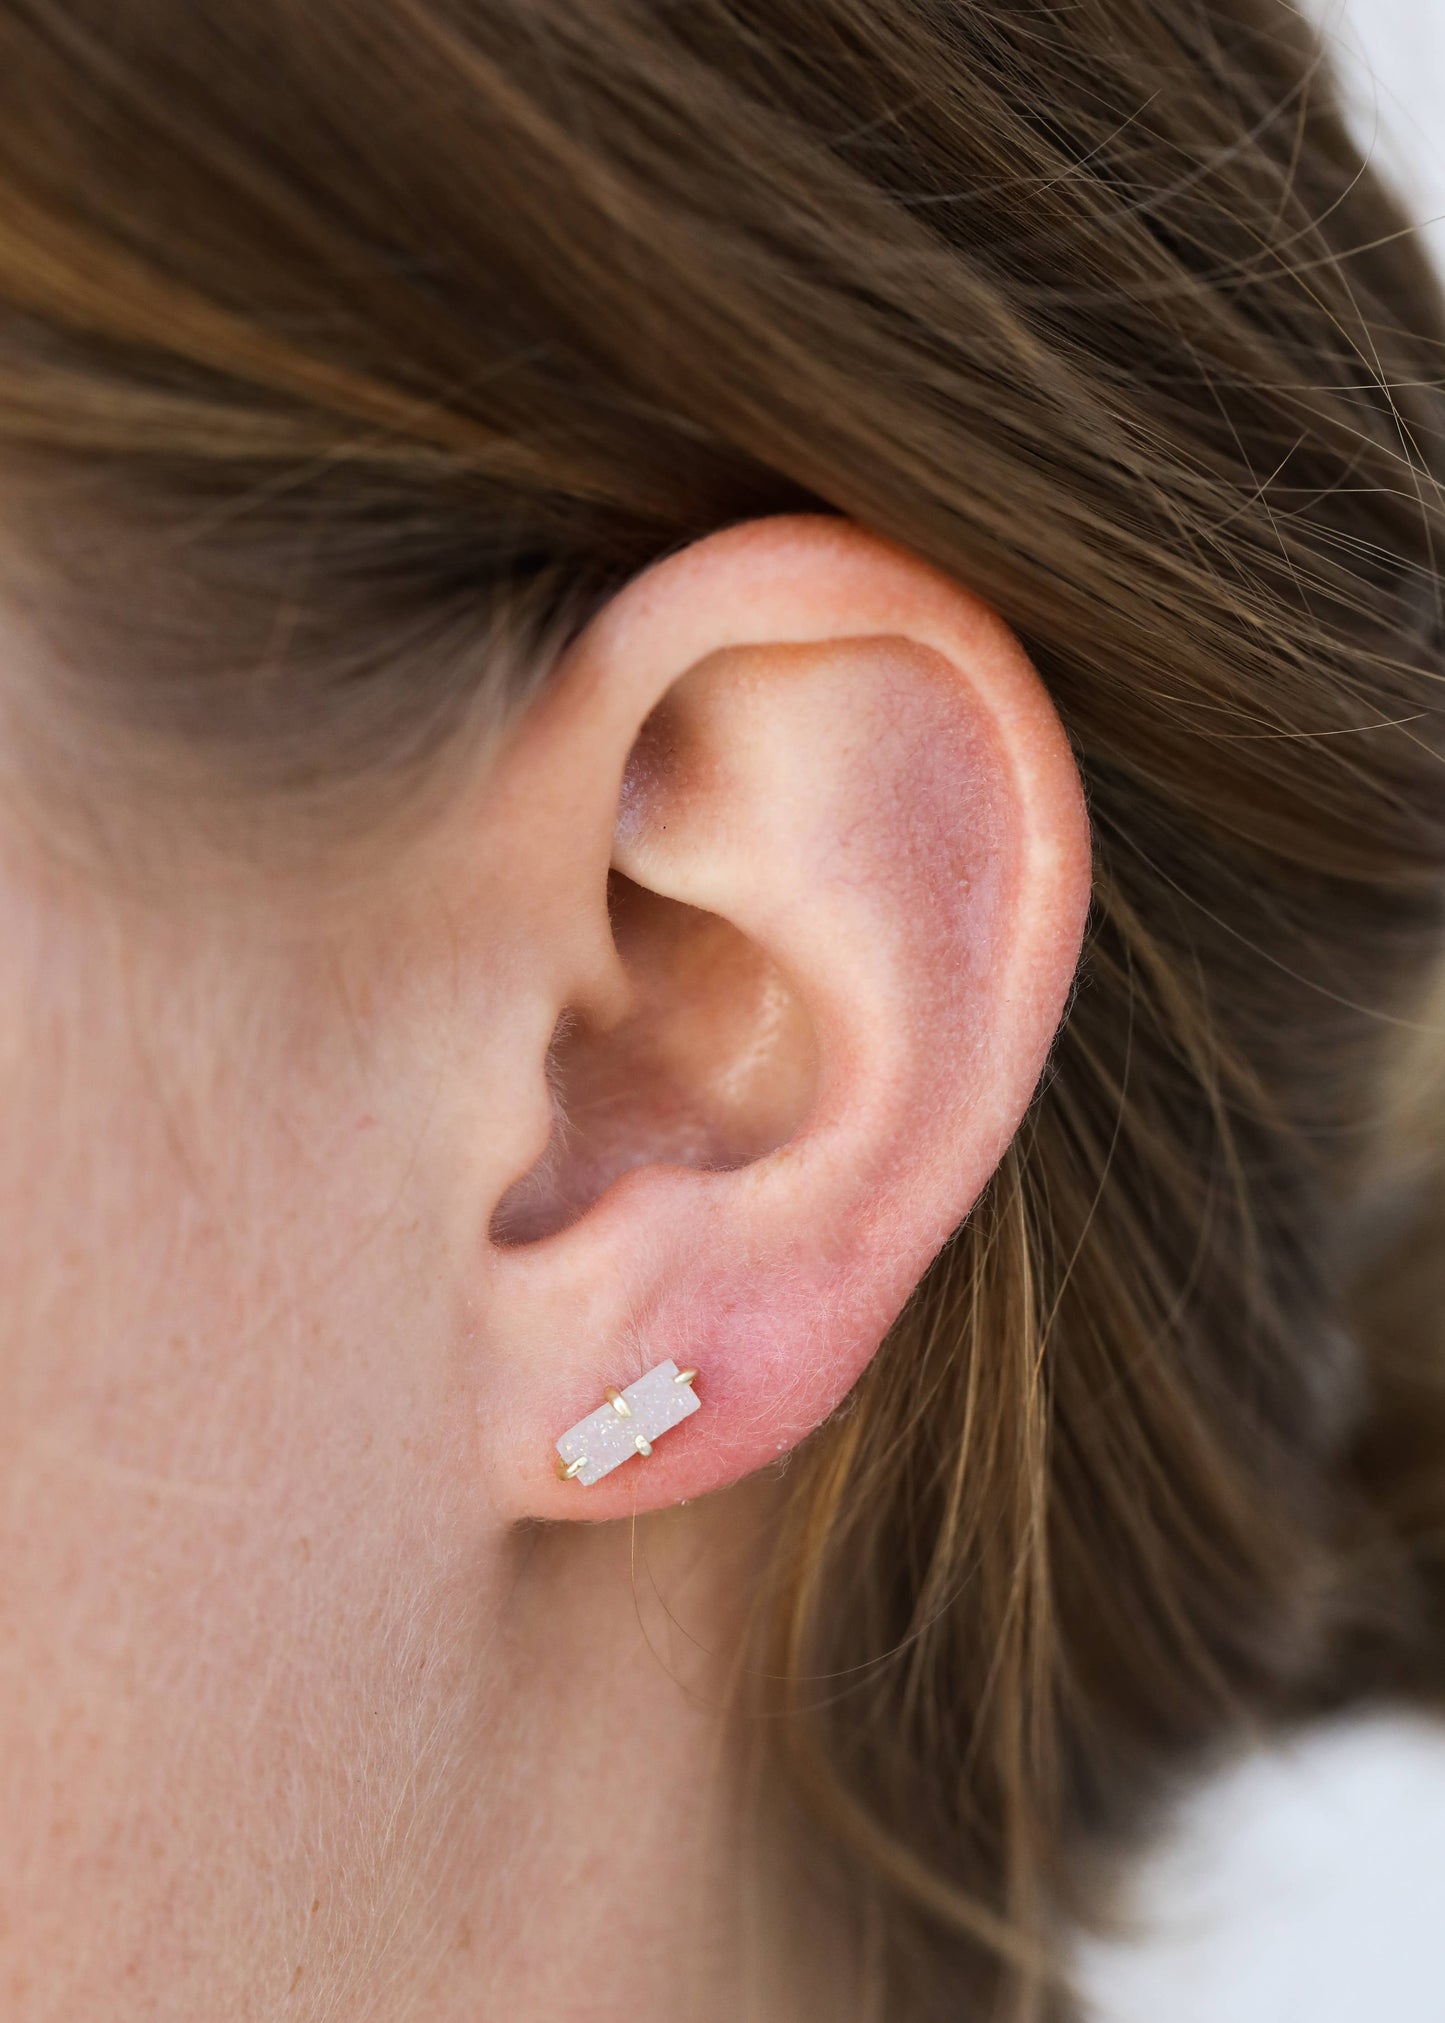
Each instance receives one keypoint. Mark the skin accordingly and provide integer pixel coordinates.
(320, 1695)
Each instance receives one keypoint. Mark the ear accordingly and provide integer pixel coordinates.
(804, 820)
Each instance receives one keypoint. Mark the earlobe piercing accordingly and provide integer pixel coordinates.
(627, 1424)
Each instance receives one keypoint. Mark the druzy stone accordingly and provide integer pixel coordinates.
(605, 1438)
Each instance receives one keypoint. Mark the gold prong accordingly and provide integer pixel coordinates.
(685, 1377)
(618, 1403)
(644, 1447)
(567, 1469)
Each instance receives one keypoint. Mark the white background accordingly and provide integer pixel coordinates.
(1302, 1886)
(1392, 56)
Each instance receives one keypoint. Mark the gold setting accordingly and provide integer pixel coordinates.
(568, 1469)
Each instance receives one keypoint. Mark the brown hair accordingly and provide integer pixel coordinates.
(352, 353)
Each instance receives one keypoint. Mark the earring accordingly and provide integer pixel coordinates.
(627, 1424)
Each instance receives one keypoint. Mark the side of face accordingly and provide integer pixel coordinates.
(689, 1030)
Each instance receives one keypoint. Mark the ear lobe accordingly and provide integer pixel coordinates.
(853, 823)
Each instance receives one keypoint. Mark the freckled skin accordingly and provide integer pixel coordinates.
(308, 1708)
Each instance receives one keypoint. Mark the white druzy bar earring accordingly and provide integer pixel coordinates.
(627, 1424)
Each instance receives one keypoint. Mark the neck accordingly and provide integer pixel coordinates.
(624, 1876)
